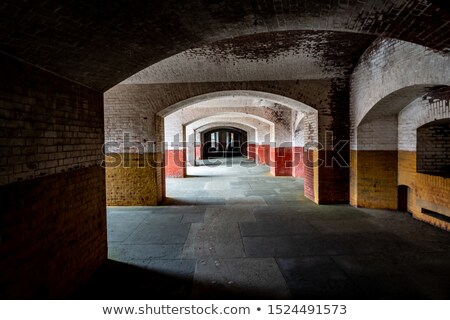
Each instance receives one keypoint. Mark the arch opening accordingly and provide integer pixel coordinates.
(252, 127)
(398, 159)
(279, 147)
(223, 142)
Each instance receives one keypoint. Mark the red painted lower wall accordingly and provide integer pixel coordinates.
(299, 167)
(281, 161)
(198, 153)
(175, 163)
(252, 151)
(308, 160)
(333, 179)
(264, 154)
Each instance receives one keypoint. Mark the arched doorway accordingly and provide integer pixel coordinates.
(226, 142)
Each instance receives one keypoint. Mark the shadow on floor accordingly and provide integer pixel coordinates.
(117, 280)
(199, 201)
(120, 281)
(177, 202)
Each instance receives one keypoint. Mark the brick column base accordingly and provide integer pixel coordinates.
(175, 162)
(281, 161)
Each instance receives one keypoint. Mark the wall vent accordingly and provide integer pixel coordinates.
(436, 215)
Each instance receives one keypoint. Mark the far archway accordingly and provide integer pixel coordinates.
(223, 142)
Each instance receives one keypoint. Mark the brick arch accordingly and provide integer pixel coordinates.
(249, 124)
(377, 130)
(438, 110)
(383, 155)
(374, 150)
(144, 102)
(279, 155)
(394, 69)
(116, 48)
(231, 101)
(250, 130)
(258, 97)
(420, 112)
(245, 119)
(277, 116)
(255, 132)
(243, 145)
(424, 191)
(230, 114)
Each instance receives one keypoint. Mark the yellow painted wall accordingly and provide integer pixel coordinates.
(353, 178)
(430, 192)
(133, 182)
(373, 179)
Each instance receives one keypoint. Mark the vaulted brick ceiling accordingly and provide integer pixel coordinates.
(289, 55)
(100, 43)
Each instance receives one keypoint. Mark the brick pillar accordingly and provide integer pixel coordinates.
(198, 152)
(132, 179)
(252, 151)
(309, 174)
(298, 169)
(374, 179)
(281, 161)
(264, 154)
(374, 165)
(331, 177)
(175, 161)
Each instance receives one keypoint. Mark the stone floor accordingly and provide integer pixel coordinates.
(234, 231)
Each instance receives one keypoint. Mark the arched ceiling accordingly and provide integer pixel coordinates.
(218, 125)
(230, 115)
(291, 55)
(260, 127)
(101, 43)
(256, 129)
(242, 119)
(393, 103)
(251, 132)
(237, 98)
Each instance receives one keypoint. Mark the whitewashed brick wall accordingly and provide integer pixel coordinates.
(388, 67)
(417, 114)
(279, 116)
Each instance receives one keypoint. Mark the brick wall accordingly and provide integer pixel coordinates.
(131, 179)
(49, 125)
(378, 134)
(299, 166)
(311, 178)
(261, 117)
(329, 97)
(390, 65)
(263, 154)
(282, 161)
(175, 163)
(425, 191)
(433, 149)
(374, 179)
(417, 114)
(390, 76)
(132, 108)
(53, 233)
(52, 206)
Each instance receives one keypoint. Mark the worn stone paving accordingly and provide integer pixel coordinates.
(234, 231)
